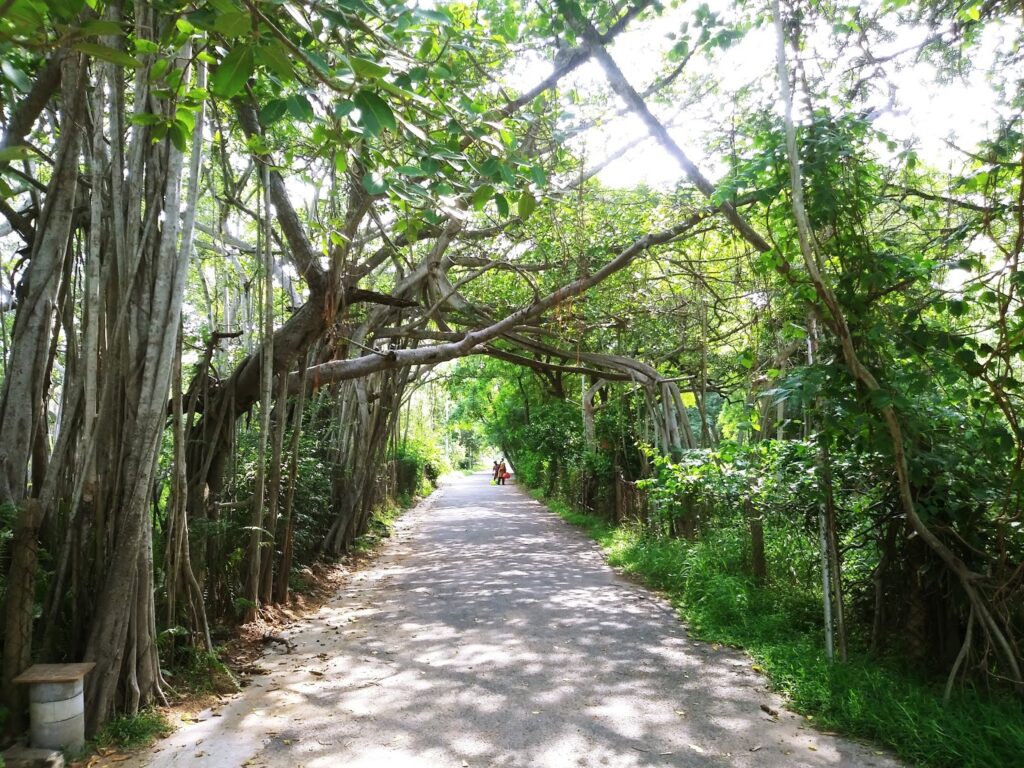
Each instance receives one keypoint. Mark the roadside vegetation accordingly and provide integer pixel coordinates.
(878, 699)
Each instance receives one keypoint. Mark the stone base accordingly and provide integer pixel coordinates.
(20, 756)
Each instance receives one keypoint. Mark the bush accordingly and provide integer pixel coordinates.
(419, 465)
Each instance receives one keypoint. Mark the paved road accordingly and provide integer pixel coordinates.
(490, 633)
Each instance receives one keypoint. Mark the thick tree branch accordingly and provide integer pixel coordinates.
(340, 370)
(303, 255)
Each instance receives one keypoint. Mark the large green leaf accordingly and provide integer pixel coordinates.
(502, 203)
(300, 108)
(106, 53)
(273, 111)
(374, 113)
(374, 183)
(527, 204)
(17, 152)
(236, 68)
(368, 69)
(233, 23)
(274, 57)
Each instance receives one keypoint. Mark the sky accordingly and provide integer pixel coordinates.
(927, 112)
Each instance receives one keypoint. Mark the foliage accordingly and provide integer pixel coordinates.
(419, 465)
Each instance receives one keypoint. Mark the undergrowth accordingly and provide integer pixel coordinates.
(866, 697)
(191, 671)
(133, 731)
(382, 521)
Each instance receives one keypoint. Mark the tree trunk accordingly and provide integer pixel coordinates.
(22, 409)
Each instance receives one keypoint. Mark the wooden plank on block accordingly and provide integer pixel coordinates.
(54, 673)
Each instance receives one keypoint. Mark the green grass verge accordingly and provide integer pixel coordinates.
(382, 522)
(133, 731)
(865, 697)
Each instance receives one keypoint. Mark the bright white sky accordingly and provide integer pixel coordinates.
(927, 112)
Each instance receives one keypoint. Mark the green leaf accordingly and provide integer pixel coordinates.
(502, 203)
(101, 27)
(439, 17)
(956, 307)
(367, 68)
(146, 47)
(527, 205)
(15, 76)
(374, 113)
(178, 134)
(275, 58)
(411, 170)
(106, 53)
(236, 68)
(374, 183)
(18, 152)
(233, 24)
(482, 195)
(159, 69)
(300, 108)
(340, 162)
(145, 118)
(273, 111)
(426, 47)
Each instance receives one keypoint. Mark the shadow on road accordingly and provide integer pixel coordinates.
(490, 633)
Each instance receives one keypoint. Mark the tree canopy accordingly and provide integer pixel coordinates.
(242, 239)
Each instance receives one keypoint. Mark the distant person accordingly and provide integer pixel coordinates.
(494, 471)
(502, 473)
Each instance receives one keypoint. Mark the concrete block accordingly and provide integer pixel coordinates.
(55, 691)
(55, 711)
(64, 734)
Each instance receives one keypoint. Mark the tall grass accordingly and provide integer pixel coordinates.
(781, 629)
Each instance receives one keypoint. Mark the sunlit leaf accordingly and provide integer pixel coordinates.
(236, 68)
(374, 113)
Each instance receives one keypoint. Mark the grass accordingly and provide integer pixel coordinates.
(133, 731)
(865, 697)
(382, 523)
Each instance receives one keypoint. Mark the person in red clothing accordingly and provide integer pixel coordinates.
(502, 472)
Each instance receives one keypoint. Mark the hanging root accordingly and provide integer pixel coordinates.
(964, 650)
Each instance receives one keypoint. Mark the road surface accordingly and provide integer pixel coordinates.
(490, 633)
